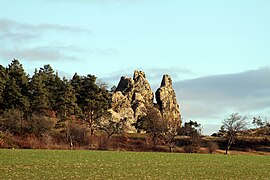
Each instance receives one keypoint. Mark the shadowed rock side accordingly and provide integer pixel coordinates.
(126, 87)
(166, 100)
(133, 96)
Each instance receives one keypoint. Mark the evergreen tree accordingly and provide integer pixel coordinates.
(52, 82)
(39, 98)
(3, 80)
(66, 101)
(76, 83)
(16, 90)
(92, 100)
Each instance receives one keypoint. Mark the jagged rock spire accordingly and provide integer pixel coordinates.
(166, 81)
(132, 97)
(166, 100)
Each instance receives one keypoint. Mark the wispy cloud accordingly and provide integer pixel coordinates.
(153, 75)
(36, 54)
(25, 41)
(213, 96)
(52, 53)
(11, 27)
(13, 32)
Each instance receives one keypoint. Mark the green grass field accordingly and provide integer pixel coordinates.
(59, 164)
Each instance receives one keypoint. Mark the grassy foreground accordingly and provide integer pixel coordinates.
(59, 164)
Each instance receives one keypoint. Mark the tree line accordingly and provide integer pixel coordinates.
(46, 95)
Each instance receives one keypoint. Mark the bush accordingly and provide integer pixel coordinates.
(194, 143)
(77, 135)
(38, 125)
(212, 146)
(191, 148)
(12, 121)
(15, 122)
(102, 143)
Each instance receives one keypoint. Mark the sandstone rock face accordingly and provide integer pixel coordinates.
(142, 86)
(121, 109)
(142, 94)
(166, 100)
(133, 96)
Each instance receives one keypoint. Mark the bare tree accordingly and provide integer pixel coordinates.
(173, 126)
(153, 124)
(111, 127)
(232, 125)
(102, 85)
(76, 134)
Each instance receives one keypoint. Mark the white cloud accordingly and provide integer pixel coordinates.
(153, 75)
(26, 41)
(35, 54)
(8, 26)
(211, 99)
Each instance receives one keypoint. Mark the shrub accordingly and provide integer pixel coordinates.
(194, 143)
(12, 121)
(77, 135)
(102, 143)
(15, 122)
(212, 146)
(38, 125)
(191, 148)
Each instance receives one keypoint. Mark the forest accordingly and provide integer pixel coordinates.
(38, 104)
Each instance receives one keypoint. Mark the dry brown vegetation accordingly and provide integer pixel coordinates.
(140, 142)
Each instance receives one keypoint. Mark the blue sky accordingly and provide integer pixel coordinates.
(215, 51)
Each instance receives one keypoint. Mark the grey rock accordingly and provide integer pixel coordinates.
(133, 96)
(166, 100)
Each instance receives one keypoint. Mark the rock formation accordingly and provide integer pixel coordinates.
(166, 100)
(133, 96)
(121, 109)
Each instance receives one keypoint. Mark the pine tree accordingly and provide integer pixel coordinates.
(3, 80)
(76, 83)
(92, 100)
(16, 90)
(39, 94)
(53, 83)
(66, 101)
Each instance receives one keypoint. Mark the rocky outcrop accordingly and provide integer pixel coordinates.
(142, 87)
(133, 96)
(166, 100)
(126, 87)
(142, 94)
(121, 109)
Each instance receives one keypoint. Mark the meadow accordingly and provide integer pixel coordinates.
(85, 164)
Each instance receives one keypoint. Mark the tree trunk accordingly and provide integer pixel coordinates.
(228, 145)
(91, 131)
(71, 144)
(154, 141)
(91, 123)
(170, 147)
